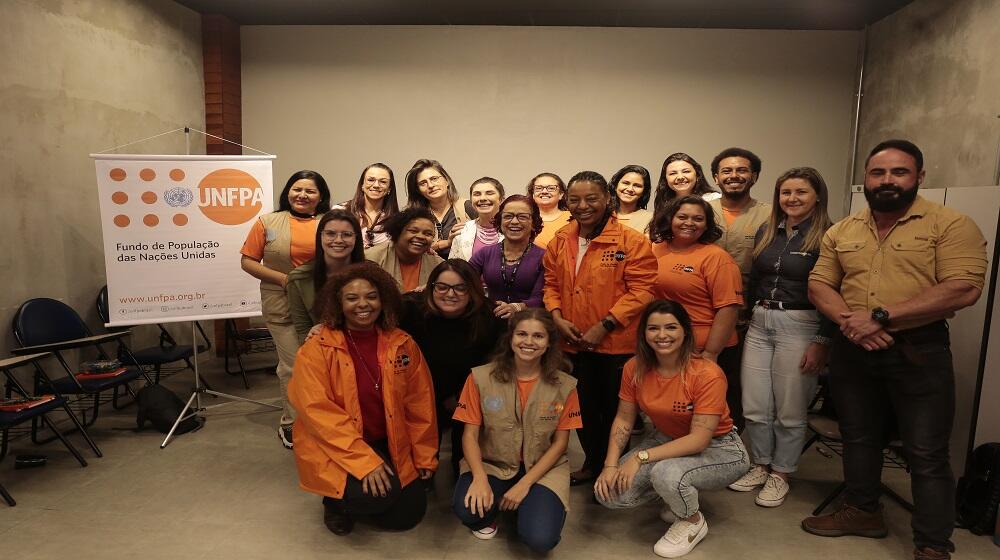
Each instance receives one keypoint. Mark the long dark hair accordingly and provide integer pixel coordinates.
(324, 191)
(479, 311)
(647, 188)
(665, 194)
(599, 180)
(553, 361)
(645, 357)
(661, 228)
(414, 198)
(390, 206)
(319, 262)
(388, 292)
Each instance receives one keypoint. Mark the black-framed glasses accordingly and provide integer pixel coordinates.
(509, 217)
(442, 288)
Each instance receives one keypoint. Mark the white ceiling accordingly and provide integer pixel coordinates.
(720, 14)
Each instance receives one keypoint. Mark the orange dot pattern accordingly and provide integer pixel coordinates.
(147, 174)
(121, 220)
(119, 198)
(151, 220)
(149, 197)
(117, 174)
(180, 219)
(177, 174)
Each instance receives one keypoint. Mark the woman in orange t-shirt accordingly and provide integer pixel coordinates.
(705, 279)
(277, 243)
(549, 193)
(694, 446)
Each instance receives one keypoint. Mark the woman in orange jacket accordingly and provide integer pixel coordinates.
(366, 431)
(599, 275)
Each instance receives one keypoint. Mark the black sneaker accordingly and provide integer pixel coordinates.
(285, 435)
(337, 520)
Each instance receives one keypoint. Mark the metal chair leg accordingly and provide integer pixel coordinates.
(7, 497)
(83, 432)
(833, 495)
(66, 442)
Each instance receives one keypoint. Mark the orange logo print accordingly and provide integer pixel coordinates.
(230, 197)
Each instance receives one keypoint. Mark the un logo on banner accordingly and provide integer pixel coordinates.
(178, 196)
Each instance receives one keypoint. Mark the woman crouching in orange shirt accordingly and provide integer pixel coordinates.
(694, 446)
(366, 430)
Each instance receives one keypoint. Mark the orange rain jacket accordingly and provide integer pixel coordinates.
(617, 276)
(324, 392)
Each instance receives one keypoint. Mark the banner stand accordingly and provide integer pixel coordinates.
(194, 406)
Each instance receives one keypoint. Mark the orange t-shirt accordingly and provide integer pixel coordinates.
(411, 275)
(303, 240)
(469, 409)
(670, 406)
(702, 278)
(730, 216)
(549, 229)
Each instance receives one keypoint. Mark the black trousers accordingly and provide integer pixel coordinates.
(910, 386)
(401, 509)
(731, 362)
(598, 380)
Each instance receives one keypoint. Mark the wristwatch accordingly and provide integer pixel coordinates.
(608, 324)
(880, 316)
(643, 457)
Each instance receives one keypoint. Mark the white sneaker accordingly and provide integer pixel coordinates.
(773, 493)
(681, 537)
(666, 515)
(486, 533)
(755, 478)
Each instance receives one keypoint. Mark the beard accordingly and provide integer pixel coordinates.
(880, 198)
(737, 195)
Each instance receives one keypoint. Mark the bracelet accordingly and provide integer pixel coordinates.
(611, 466)
(820, 339)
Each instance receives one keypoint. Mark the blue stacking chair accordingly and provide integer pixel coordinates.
(34, 414)
(48, 325)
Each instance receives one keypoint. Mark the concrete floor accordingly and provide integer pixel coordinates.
(230, 491)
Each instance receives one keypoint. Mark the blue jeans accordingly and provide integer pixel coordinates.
(775, 391)
(540, 517)
(678, 480)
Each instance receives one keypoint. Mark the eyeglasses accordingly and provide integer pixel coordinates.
(442, 288)
(508, 217)
(373, 182)
(545, 188)
(334, 235)
(430, 181)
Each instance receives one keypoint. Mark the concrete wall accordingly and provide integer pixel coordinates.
(78, 77)
(511, 102)
(933, 76)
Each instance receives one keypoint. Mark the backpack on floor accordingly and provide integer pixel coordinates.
(978, 493)
(161, 407)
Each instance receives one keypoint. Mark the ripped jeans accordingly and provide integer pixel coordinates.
(678, 480)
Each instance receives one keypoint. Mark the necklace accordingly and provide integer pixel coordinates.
(364, 366)
(515, 264)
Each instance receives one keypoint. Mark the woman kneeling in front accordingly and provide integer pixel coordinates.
(518, 411)
(366, 430)
(694, 446)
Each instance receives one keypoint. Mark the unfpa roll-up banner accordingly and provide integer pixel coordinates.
(173, 229)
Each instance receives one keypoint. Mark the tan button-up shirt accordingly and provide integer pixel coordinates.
(928, 245)
(738, 239)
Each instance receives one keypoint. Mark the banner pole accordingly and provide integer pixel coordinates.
(187, 140)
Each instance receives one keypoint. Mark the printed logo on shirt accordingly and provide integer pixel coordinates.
(681, 407)
(550, 411)
(493, 403)
(680, 267)
(802, 254)
(400, 362)
(610, 258)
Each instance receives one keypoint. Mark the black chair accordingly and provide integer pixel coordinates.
(825, 431)
(34, 414)
(154, 358)
(7, 497)
(48, 325)
(246, 341)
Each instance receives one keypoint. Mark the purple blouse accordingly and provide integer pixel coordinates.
(525, 286)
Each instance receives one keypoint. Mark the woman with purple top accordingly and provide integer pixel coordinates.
(512, 269)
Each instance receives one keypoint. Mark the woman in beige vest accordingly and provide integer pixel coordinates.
(277, 243)
(407, 257)
(518, 411)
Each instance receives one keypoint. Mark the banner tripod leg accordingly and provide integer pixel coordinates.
(197, 392)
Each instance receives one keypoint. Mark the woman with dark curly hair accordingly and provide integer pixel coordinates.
(453, 323)
(704, 278)
(512, 269)
(515, 448)
(407, 256)
(366, 430)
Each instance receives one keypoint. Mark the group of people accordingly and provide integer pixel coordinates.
(511, 320)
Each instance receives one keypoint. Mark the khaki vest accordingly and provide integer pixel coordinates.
(384, 255)
(508, 432)
(738, 239)
(277, 256)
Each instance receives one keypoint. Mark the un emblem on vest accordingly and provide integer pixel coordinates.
(493, 403)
